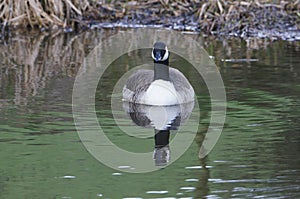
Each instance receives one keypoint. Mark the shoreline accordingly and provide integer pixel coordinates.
(251, 18)
(245, 19)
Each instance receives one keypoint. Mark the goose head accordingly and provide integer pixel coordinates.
(160, 52)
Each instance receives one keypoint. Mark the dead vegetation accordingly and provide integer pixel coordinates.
(42, 13)
(206, 15)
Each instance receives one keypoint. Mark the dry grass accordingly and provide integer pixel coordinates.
(42, 13)
(232, 15)
(210, 15)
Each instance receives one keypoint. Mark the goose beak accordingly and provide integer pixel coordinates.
(157, 56)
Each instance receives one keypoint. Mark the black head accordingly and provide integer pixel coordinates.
(160, 52)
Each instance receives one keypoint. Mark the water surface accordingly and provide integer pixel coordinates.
(257, 155)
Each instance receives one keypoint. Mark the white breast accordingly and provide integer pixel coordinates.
(161, 93)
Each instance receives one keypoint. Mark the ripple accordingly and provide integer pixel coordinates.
(198, 167)
(254, 125)
(68, 177)
(168, 198)
(212, 197)
(192, 180)
(247, 181)
(239, 60)
(116, 174)
(132, 198)
(239, 166)
(157, 192)
(220, 191)
(188, 189)
(221, 161)
(126, 167)
(267, 189)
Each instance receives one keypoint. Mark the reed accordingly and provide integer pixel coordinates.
(211, 15)
(42, 13)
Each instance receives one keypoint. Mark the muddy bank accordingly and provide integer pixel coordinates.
(272, 19)
(238, 18)
(262, 19)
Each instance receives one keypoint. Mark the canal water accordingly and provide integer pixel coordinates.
(42, 155)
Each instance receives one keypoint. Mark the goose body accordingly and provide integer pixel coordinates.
(163, 86)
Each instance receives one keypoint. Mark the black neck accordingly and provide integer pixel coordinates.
(161, 138)
(161, 70)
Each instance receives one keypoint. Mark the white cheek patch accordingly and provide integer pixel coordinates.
(166, 55)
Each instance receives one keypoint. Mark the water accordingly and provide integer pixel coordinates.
(257, 155)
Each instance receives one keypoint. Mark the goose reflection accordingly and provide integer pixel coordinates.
(163, 119)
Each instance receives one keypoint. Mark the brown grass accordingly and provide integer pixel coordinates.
(42, 13)
(209, 14)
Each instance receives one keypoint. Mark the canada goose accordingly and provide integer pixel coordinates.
(162, 86)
